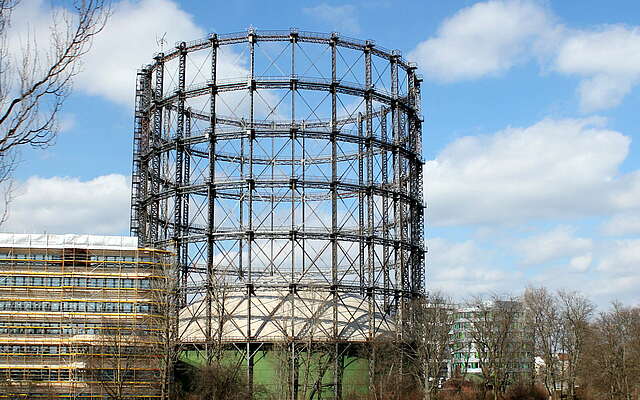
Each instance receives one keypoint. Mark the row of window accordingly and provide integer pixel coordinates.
(466, 365)
(54, 281)
(66, 350)
(35, 264)
(465, 315)
(80, 324)
(35, 374)
(81, 257)
(126, 375)
(76, 306)
(512, 366)
(48, 395)
(58, 328)
(462, 356)
(42, 374)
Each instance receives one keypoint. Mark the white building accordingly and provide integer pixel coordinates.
(467, 355)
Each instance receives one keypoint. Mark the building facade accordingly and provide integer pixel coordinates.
(491, 336)
(464, 355)
(80, 317)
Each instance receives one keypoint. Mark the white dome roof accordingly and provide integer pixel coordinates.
(279, 314)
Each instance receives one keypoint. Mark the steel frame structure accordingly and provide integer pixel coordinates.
(287, 161)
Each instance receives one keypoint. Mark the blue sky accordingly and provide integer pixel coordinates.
(531, 130)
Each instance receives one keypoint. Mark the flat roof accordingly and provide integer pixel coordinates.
(54, 241)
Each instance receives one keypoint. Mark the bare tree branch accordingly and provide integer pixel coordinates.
(545, 321)
(576, 312)
(35, 82)
(501, 340)
(432, 323)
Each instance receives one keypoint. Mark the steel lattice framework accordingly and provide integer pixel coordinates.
(283, 162)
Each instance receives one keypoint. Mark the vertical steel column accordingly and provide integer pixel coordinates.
(140, 147)
(371, 300)
(405, 182)
(167, 181)
(338, 369)
(385, 212)
(211, 196)
(415, 183)
(334, 182)
(417, 215)
(334, 205)
(293, 182)
(397, 191)
(179, 149)
(293, 389)
(403, 223)
(361, 203)
(186, 180)
(155, 149)
(147, 134)
(251, 186)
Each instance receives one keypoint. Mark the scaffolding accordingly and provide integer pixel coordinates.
(80, 317)
(282, 166)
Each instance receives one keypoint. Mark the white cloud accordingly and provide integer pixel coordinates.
(67, 121)
(627, 195)
(30, 42)
(130, 40)
(491, 37)
(485, 39)
(342, 18)
(599, 287)
(552, 245)
(608, 60)
(622, 224)
(463, 268)
(621, 258)
(552, 169)
(70, 205)
(581, 263)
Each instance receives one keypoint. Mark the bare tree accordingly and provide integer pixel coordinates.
(36, 80)
(391, 380)
(544, 318)
(137, 355)
(499, 338)
(221, 378)
(219, 382)
(112, 361)
(432, 322)
(576, 313)
(304, 363)
(164, 292)
(611, 367)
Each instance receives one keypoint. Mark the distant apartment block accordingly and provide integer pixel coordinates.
(468, 355)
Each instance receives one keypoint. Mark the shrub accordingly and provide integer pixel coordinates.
(525, 391)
